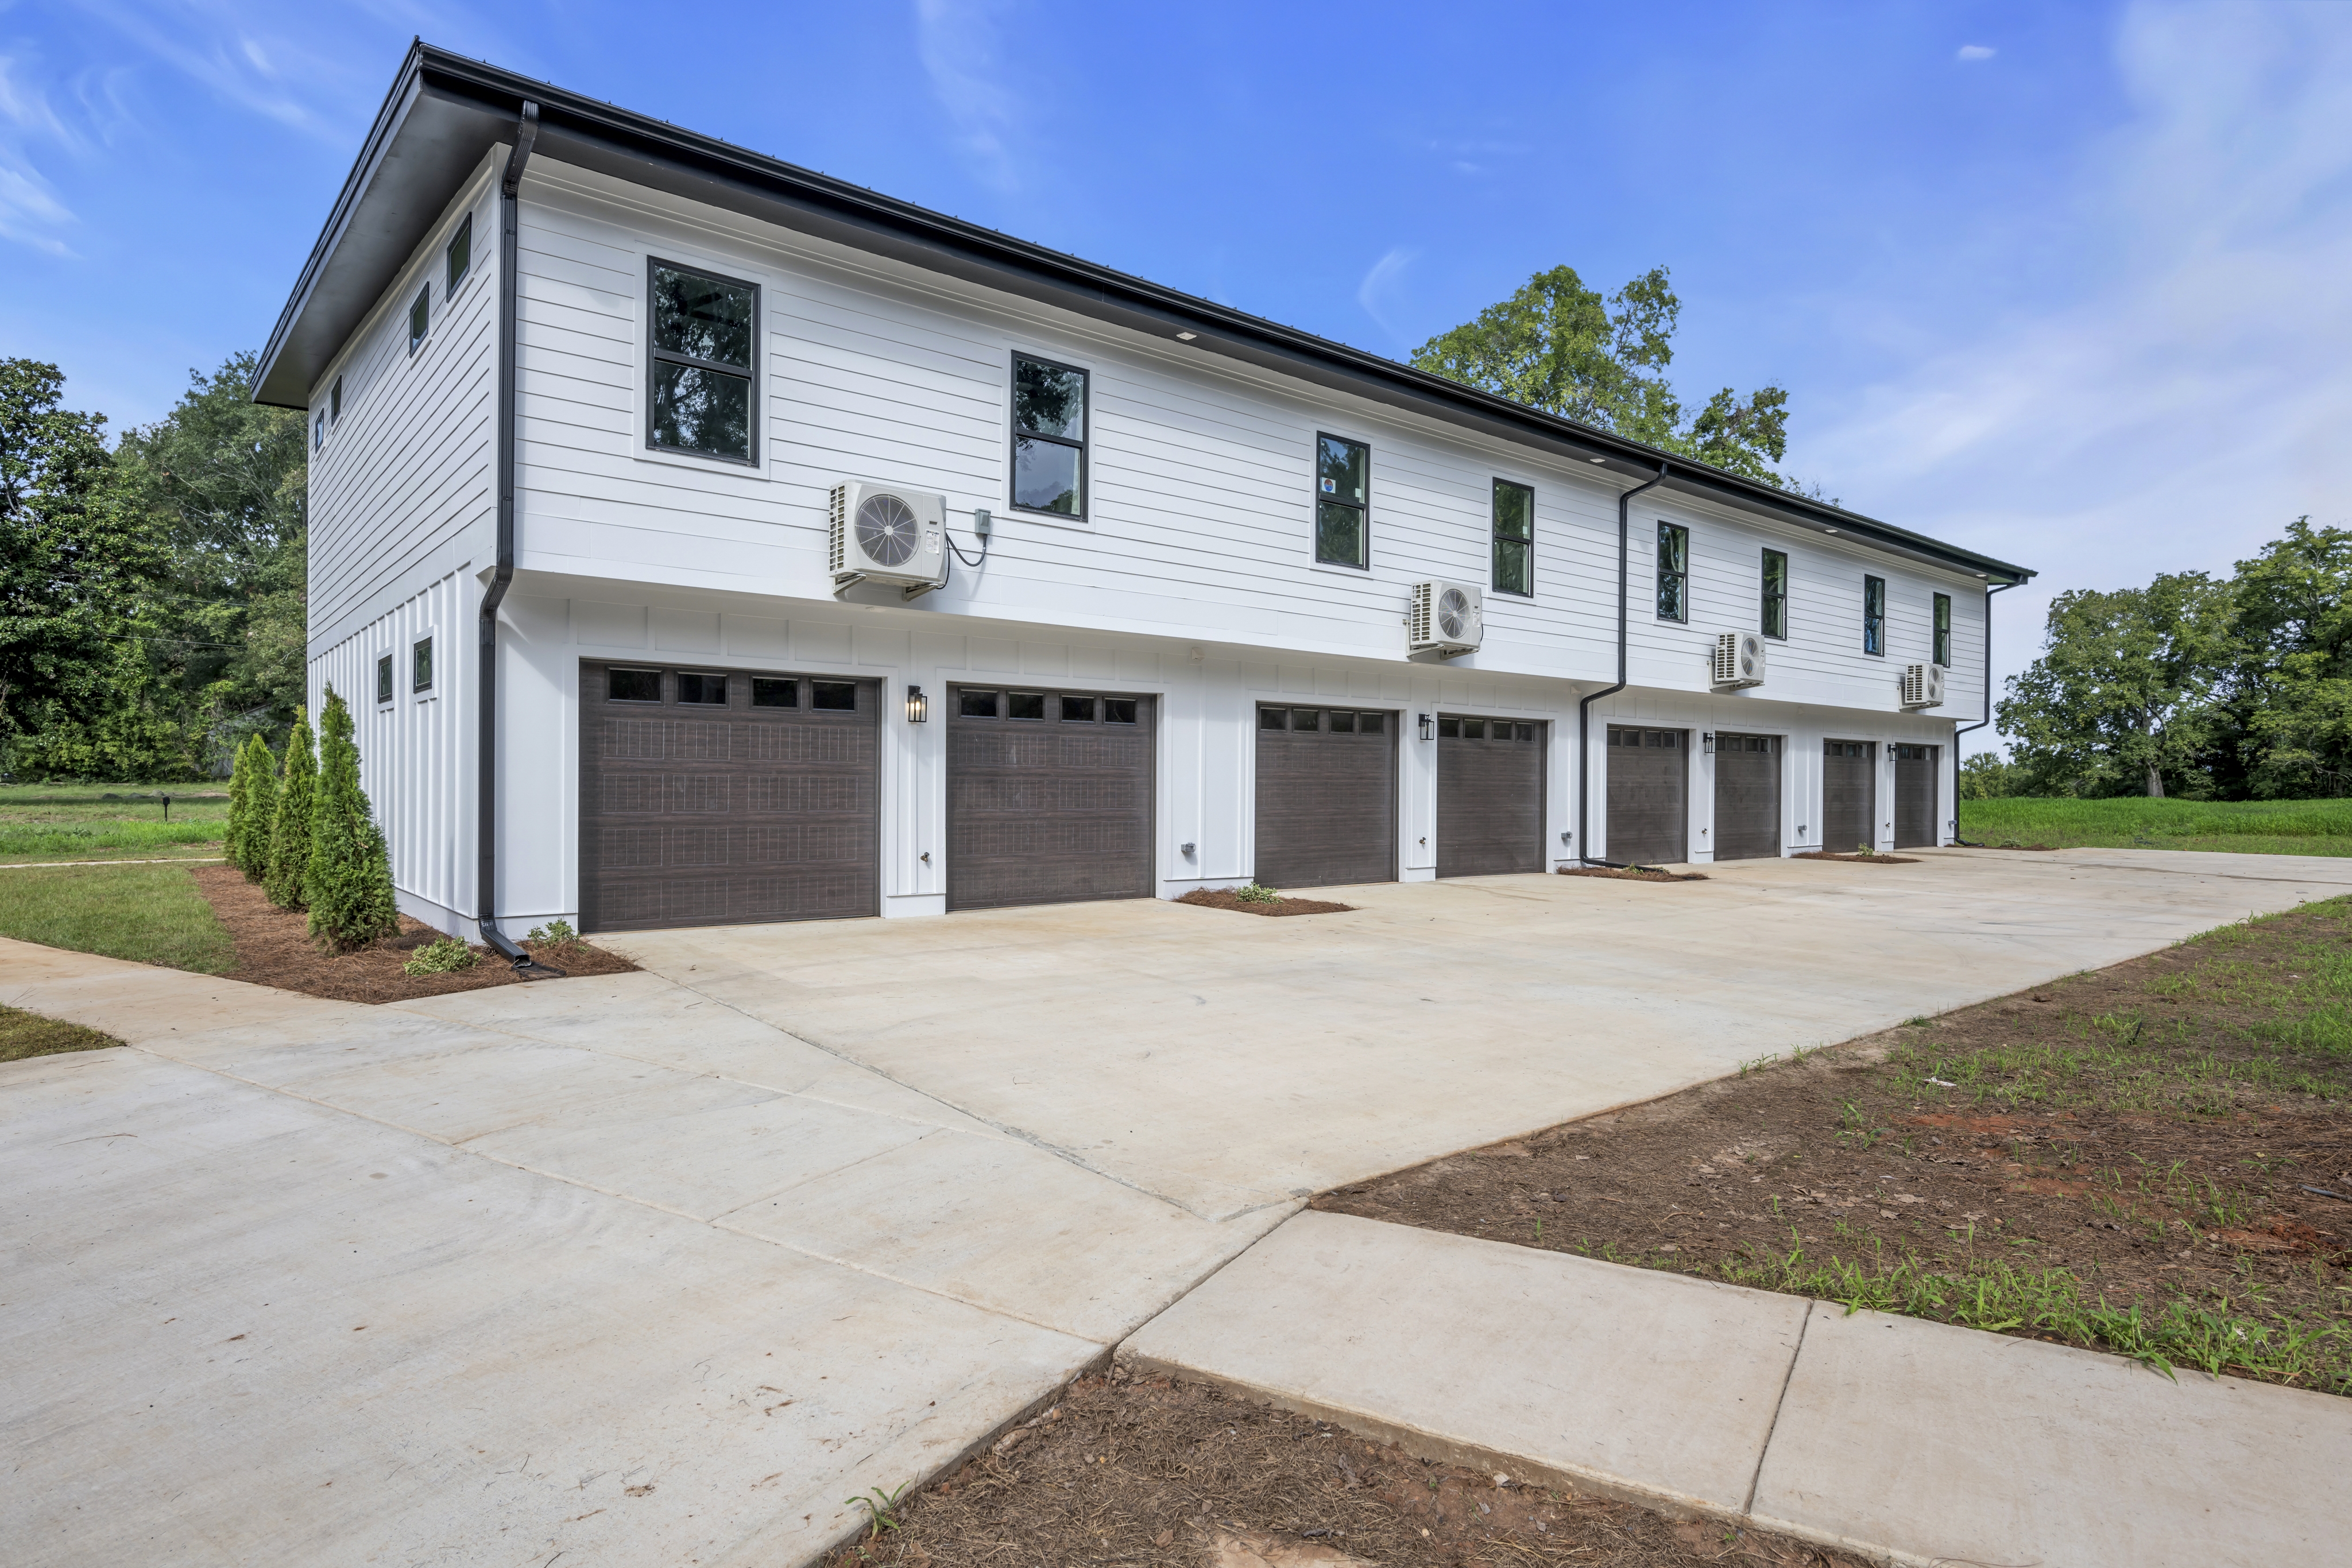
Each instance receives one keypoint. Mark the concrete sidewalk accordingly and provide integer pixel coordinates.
(1914, 1441)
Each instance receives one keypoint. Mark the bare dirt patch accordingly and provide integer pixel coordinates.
(1858, 860)
(274, 949)
(1224, 898)
(1150, 1472)
(2125, 1159)
(1632, 874)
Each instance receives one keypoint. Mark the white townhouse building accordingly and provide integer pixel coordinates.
(702, 539)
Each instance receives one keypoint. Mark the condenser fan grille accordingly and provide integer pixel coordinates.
(1453, 612)
(886, 531)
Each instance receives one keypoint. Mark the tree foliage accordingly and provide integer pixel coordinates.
(350, 880)
(252, 809)
(290, 826)
(1559, 345)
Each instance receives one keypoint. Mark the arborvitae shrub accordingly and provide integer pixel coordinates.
(289, 839)
(240, 782)
(350, 881)
(249, 834)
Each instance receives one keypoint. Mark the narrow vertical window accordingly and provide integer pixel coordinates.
(460, 255)
(384, 678)
(1515, 535)
(1776, 594)
(420, 666)
(1873, 615)
(319, 430)
(1049, 437)
(1674, 572)
(420, 317)
(703, 398)
(335, 402)
(1343, 501)
(1944, 630)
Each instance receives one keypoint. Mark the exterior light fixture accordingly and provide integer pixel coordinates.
(1706, 744)
(918, 706)
(1426, 729)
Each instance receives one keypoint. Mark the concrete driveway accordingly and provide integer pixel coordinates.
(660, 1268)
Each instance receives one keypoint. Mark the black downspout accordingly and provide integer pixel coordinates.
(1584, 708)
(486, 808)
(1966, 728)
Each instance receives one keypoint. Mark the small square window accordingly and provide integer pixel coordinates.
(1371, 724)
(970, 704)
(710, 690)
(420, 318)
(770, 691)
(1077, 710)
(460, 255)
(420, 666)
(1306, 720)
(1343, 723)
(1118, 710)
(384, 678)
(834, 696)
(633, 685)
(1273, 718)
(1526, 732)
(1449, 729)
(1025, 705)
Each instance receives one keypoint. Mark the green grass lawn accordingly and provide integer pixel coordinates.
(109, 821)
(2239, 827)
(152, 913)
(24, 1034)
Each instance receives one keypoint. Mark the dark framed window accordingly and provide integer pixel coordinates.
(319, 430)
(460, 255)
(976, 704)
(1077, 710)
(1776, 594)
(709, 691)
(834, 695)
(701, 397)
(1118, 710)
(775, 691)
(1515, 538)
(420, 665)
(420, 318)
(1049, 437)
(633, 685)
(1674, 572)
(1025, 705)
(1343, 501)
(335, 402)
(1873, 615)
(1944, 630)
(384, 678)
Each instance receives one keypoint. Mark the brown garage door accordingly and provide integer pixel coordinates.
(1649, 796)
(713, 798)
(1327, 805)
(1747, 796)
(1049, 796)
(1849, 795)
(1490, 789)
(1915, 796)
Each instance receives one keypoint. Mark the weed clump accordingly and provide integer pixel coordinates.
(441, 957)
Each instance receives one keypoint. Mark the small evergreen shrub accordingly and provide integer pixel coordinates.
(249, 829)
(441, 957)
(1258, 893)
(289, 835)
(350, 881)
(240, 785)
(554, 934)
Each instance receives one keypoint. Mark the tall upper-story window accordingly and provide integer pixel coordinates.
(460, 255)
(420, 318)
(1944, 630)
(703, 397)
(1343, 501)
(1674, 572)
(1515, 536)
(335, 402)
(319, 430)
(1873, 615)
(1776, 594)
(1049, 437)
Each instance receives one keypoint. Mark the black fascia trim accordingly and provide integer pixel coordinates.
(641, 149)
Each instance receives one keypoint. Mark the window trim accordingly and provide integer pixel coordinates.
(1315, 500)
(429, 638)
(1494, 539)
(420, 305)
(1939, 631)
(1014, 432)
(453, 271)
(1874, 627)
(1682, 576)
(657, 356)
(1765, 598)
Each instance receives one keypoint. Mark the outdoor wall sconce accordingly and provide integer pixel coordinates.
(1425, 727)
(918, 706)
(1706, 744)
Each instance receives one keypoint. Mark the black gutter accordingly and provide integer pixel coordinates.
(1584, 708)
(1966, 728)
(486, 807)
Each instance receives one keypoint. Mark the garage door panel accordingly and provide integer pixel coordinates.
(1649, 795)
(1746, 796)
(1849, 795)
(1048, 809)
(1490, 788)
(1915, 796)
(1325, 797)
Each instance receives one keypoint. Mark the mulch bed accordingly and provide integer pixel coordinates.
(2049, 848)
(1136, 1470)
(1858, 860)
(274, 949)
(1223, 898)
(2169, 1151)
(1632, 874)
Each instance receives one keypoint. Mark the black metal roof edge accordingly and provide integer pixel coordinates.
(503, 92)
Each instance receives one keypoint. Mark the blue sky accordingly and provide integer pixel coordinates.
(2071, 284)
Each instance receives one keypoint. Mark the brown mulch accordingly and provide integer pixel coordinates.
(274, 949)
(2040, 847)
(1223, 898)
(1858, 860)
(2144, 1163)
(1632, 874)
(1140, 1471)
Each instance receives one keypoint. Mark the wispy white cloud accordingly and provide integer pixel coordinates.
(30, 212)
(1969, 54)
(246, 57)
(960, 43)
(1379, 293)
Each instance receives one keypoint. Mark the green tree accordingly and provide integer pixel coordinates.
(2290, 688)
(1559, 345)
(252, 807)
(289, 833)
(1986, 777)
(350, 881)
(2126, 689)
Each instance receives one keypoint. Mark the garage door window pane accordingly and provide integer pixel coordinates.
(633, 685)
(1370, 723)
(770, 691)
(1118, 710)
(977, 705)
(694, 688)
(1343, 723)
(1449, 729)
(1077, 710)
(1306, 720)
(1025, 704)
(1273, 718)
(839, 696)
